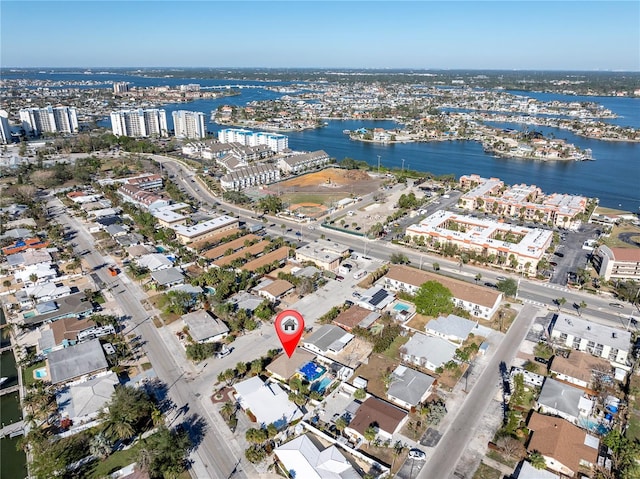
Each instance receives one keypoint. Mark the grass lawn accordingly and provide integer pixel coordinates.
(27, 373)
(115, 461)
(633, 431)
(615, 242)
(392, 351)
(486, 472)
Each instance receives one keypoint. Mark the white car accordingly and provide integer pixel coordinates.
(417, 454)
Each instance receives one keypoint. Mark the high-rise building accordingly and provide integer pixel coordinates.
(274, 141)
(61, 119)
(139, 123)
(120, 87)
(189, 124)
(5, 129)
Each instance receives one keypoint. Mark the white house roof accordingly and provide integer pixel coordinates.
(167, 276)
(527, 471)
(267, 401)
(436, 350)
(203, 326)
(201, 228)
(303, 458)
(451, 326)
(154, 261)
(599, 333)
(87, 398)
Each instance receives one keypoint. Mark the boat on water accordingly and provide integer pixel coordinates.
(346, 132)
(3, 379)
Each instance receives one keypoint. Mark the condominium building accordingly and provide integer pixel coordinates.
(617, 263)
(274, 141)
(526, 202)
(120, 87)
(252, 175)
(139, 123)
(189, 124)
(599, 340)
(5, 129)
(201, 231)
(305, 161)
(519, 247)
(61, 119)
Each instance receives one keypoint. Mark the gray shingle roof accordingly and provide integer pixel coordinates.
(72, 362)
(409, 385)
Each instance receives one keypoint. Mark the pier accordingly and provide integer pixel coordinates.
(12, 430)
(9, 390)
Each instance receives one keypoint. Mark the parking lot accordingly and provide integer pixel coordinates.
(569, 255)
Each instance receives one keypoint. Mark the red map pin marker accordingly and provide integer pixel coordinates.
(289, 326)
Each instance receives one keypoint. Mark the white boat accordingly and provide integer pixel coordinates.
(3, 379)
(346, 132)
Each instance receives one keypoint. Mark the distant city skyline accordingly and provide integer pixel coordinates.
(514, 35)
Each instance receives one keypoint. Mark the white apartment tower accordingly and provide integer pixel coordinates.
(5, 129)
(139, 123)
(120, 87)
(274, 141)
(189, 124)
(61, 119)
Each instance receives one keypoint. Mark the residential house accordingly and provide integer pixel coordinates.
(205, 328)
(83, 402)
(75, 305)
(376, 298)
(166, 278)
(305, 458)
(267, 402)
(563, 400)
(452, 328)
(479, 301)
(206, 230)
(428, 352)
(62, 333)
(76, 363)
(597, 339)
(580, 369)
(409, 387)
(355, 316)
(273, 290)
(299, 163)
(386, 418)
(526, 471)
(566, 448)
(284, 368)
(327, 339)
(154, 262)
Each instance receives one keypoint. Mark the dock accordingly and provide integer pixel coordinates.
(9, 390)
(13, 430)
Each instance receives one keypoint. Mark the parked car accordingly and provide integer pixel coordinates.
(501, 278)
(417, 454)
(616, 305)
(355, 294)
(339, 278)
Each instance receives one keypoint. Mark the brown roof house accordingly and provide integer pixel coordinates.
(580, 368)
(284, 367)
(274, 290)
(565, 447)
(386, 418)
(356, 316)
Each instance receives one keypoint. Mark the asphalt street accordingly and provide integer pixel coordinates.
(212, 457)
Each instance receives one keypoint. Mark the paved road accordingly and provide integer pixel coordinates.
(454, 441)
(212, 457)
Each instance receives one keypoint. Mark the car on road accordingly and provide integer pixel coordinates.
(559, 255)
(355, 294)
(298, 233)
(417, 454)
(616, 305)
(490, 285)
(501, 278)
(339, 278)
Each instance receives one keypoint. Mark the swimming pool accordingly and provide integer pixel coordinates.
(30, 314)
(322, 385)
(40, 373)
(401, 307)
(311, 371)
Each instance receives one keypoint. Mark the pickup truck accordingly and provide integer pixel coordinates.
(112, 271)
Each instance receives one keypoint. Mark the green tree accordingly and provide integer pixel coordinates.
(128, 412)
(433, 299)
(270, 204)
(436, 266)
(560, 302)
(360, 394)
(537, 460)
(478, 277)
(508, 286)
(341, 423)
(166, 453)
(100, 446)
(370, 434)
(399, 258)
(580, 307)
(228, 408)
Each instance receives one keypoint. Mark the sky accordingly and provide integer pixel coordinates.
(514, 34)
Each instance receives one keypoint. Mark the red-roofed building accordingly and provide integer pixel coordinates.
(617, 263)
(23, 245)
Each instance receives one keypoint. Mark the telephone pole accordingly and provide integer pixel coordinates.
(378, 165)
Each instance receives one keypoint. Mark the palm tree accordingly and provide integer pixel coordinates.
(581, 306)
(478, 277)
(100, 446)
(119, 430)
(157, 418)
(228, 409)
(560, 302)
(537, 460)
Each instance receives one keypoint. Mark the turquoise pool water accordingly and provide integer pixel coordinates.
(160, 249)
(40, 373)
(30, 314)
(321, 385)
(401, 307)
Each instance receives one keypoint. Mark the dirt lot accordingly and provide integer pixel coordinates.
(324, 187)
(378, 365)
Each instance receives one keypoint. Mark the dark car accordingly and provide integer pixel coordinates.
(559, 255)
(339, 278)
(541, 360)
(616, 305)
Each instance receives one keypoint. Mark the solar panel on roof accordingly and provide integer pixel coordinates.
(377, 297)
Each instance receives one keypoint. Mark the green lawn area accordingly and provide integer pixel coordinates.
(27, 373)
(486, 472)
(392, 351)
(615, 242)
(633, 431)
(115, 461)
